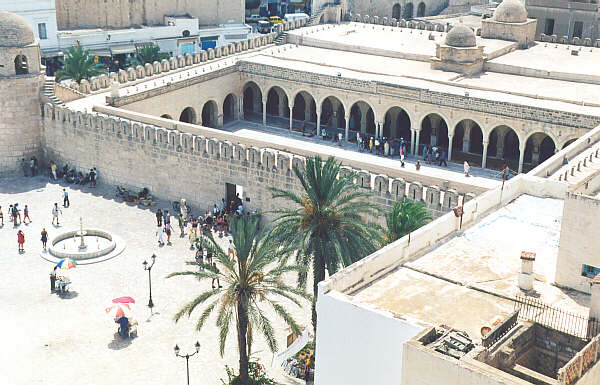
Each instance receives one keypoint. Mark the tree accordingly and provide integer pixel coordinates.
(148, 54)
(248, 283)
(405, 217)
(78, 64)
(326, 226)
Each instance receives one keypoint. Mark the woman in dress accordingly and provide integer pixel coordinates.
(44, 238)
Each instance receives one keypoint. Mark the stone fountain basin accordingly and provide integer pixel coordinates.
(55, 253)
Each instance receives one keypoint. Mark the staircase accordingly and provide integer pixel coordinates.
(48, 91)
(281, 38)
(316, 16)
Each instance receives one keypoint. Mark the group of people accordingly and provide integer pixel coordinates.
(434, 155)
(30, 168)
(70, 175)
(382, 146)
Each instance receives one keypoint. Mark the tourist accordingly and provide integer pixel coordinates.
(358, 141)
(231, 249)
(386, 148)
(168, 232)
(24, 166)
(20, 240)
(16, 214)
(93, 176)
(323, 133)
(223, 205)
(53, 170)
(505, 173)
(55, 211)
(466, 168)
(377, 146)
(214, 265)
(181, 225)
(401, 157)
(418, 165)
(199, 255)
(443, 159)
(10, 213)
(159, 233)
(124, 326)
(159, 217)
(32, 166)
(26, 214)
(340, 137)
(371, 145)
(53, 280)
(215, 210)
(44, 237)
(209, 259)
(66, 202)
(183, 209)
(1, 217)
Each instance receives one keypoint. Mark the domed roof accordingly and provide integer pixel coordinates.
(510, 11)
(461, 36)
(14, 31)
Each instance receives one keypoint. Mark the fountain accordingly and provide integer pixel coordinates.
(84, 245)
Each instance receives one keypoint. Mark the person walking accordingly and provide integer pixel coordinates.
(340, 137)
(168, 232)
(231, 249)
(159, 233)
(401, 157)
(21, 240)
(443, 159)
(53, 280)
(466, 168)
(44, 238)
(26, 214)
(216, 270)
(159, 217)
(66, 202)
(1, 217)
(55, 212)
(181, 226)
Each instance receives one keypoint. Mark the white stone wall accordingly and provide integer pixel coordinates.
(579, 241)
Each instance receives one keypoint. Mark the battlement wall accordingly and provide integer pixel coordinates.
(175, 164)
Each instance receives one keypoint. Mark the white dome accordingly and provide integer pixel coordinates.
(510, 11)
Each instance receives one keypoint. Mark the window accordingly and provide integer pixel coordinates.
(590, 271)
(578, 29)
(549, 31)
(42, 31)
(21, 67)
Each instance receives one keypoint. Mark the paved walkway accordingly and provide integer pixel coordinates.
(277, 132)
(50, 340)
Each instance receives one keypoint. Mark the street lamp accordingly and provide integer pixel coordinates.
(146, 267)
(187, 358)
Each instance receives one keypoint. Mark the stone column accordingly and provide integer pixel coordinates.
(241, 107)
(412, 141)
(417, 142)
(264, 112)
(291, 116)
(318, 120)
(219, 120)
(347, 131)
(306, 111)
(450, 147)
(484, 157)
(521, 156)
(467, 124)
(435, 121)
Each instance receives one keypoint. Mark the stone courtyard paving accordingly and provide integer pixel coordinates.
(48, 339)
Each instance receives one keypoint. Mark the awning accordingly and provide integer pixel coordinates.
(117, 49)
(46, 53)
(100, 52)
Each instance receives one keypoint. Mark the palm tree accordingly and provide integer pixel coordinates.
(406, 216)
(78, 64)
(148, 54)
(248, 284)
(327, 225)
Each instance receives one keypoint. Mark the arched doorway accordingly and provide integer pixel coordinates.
(503, 147)
(408, 11)
(421, 9)
(21, 66)
(304, 108)
(230, 108)
(277, 103)
(396, 124)
(467, 139)
(166, 116)
(396, 11)
(188, 115)
(434, 131)
(362, 118)
(538, 148)
(210, 114)
(333, 113)
(568, 142)
(252, 101)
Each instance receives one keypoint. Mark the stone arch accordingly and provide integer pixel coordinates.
(396, 9)
(21, 65)
(421, 9)
(277, 102)
(230, 108)
(166, 116)
(362, 117)
(468, 137)
(434, 130)
(188, 115)
(539, 146)
(252, 95)
(568, 142)
(333, 112)
(210, 114)
(305, 107)
(408, 11)
(503, 146)
(397, 123)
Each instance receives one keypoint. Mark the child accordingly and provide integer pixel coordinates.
(20, 240)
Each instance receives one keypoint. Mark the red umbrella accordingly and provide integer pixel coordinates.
(119, 310)
(124, 300)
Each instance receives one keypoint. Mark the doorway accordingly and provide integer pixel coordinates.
(233, 193)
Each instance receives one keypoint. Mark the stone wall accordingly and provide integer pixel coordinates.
(173, 164)
(20, 119)
(72, 14)
(384, 8)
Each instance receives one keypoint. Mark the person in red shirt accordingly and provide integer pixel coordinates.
(20, 240)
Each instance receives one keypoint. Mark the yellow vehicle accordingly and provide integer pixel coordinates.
(276, 20)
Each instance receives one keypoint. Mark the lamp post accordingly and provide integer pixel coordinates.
(187, 358)
(146, 267)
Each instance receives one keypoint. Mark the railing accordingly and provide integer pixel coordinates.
(534, 310)
(500, 330)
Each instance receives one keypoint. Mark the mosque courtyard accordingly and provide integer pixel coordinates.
(69, 339)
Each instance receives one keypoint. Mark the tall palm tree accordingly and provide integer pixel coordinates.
(78, 64)
(327, 225)
(406, 216)
(148, 54)
(250, 283)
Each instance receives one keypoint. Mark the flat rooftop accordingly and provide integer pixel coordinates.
(477, 270)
